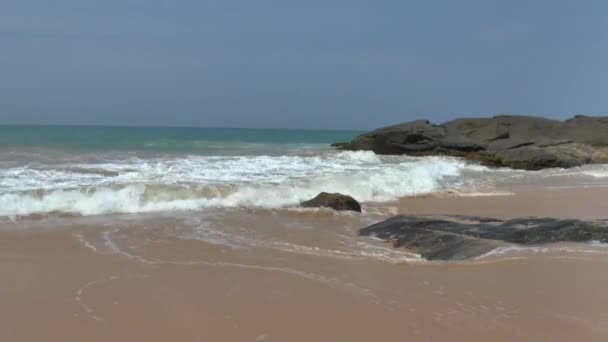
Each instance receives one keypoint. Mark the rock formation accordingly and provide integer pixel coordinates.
(462, 237)
(520, 142)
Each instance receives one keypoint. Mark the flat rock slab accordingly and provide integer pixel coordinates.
(465, 237)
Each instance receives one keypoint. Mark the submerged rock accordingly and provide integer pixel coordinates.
(462, 237)
(333, 201)
(520, 142)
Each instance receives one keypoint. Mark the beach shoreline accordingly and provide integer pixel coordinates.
(100, 279)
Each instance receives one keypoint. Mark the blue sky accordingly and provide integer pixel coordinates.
(309, 64)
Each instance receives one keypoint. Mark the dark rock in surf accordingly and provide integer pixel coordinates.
(333, 201)
(462, 237)
(520, 142)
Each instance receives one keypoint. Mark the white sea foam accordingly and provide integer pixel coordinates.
(596, 248)
(187, 183)
(132, 184)
(596, 173)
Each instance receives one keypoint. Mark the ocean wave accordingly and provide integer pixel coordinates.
(134, 185)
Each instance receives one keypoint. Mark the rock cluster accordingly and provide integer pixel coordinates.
(520, 142)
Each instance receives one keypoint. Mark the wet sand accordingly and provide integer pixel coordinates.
(145, 278)
(571, 202)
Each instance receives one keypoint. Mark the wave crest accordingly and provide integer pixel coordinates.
(135, 186)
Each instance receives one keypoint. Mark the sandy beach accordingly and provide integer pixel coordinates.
(89, 279)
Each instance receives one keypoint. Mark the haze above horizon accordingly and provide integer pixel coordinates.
(315, 64)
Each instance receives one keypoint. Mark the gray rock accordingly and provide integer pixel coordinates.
(521, 142)
(461, 237)
(530, 157)
(333, 201)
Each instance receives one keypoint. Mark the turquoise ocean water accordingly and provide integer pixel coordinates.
(193, 140)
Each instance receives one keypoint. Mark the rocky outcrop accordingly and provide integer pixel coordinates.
(520, 142)
(333, 201)
(461, 237)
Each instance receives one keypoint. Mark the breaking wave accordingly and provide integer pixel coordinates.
(189, 183)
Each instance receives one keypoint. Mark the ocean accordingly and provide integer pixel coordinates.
(190, 140)
(110, 170)
(106, 170)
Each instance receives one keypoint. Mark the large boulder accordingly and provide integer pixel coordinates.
(333, 201)
(461, 237)
(520, 142)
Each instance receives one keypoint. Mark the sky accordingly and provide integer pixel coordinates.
(332, 64)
